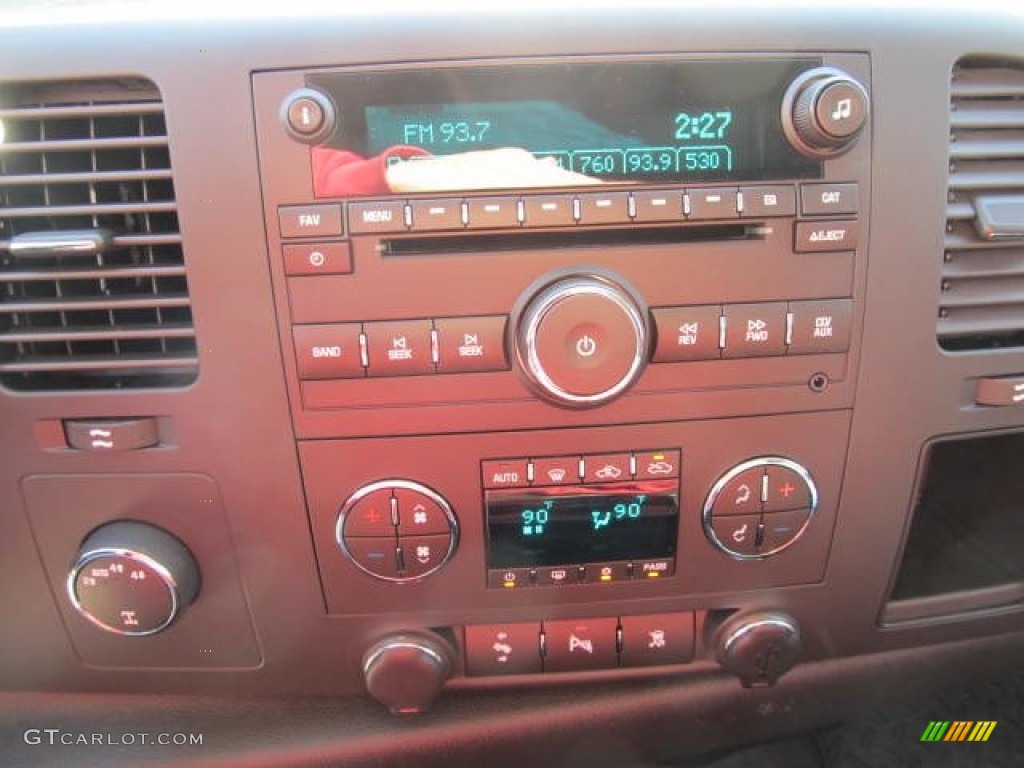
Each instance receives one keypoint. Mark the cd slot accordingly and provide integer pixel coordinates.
(582, 238)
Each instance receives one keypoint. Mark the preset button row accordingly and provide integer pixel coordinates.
(594, 208)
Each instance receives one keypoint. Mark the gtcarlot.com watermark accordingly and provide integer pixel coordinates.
(55, 737)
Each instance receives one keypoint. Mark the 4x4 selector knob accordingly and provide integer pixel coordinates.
(582, 340)
(132, 578)
(823, 112)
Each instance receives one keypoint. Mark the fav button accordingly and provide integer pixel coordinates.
(309, 220)
(580, 644)
(399, 348)
(665, 638)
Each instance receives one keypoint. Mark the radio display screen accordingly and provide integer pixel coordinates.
(566, 526)
(557, 125)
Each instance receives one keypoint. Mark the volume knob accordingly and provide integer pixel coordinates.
(823, 112)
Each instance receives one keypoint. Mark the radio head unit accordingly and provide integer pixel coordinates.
(553, 125)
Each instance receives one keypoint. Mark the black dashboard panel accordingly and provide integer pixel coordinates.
(366, 375)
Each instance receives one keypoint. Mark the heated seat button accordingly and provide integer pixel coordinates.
(578, 644)
(741, 495)
(687, 333)
(471, 344)
(665, 638)
(421, 555)
(786, 489)
(755, 330)
(820, 326)
(399, 348)
(371, 515)
(736, 533)
(503, 649)
(328, 351)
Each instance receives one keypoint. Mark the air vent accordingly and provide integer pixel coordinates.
(982, 304)
(93, 292)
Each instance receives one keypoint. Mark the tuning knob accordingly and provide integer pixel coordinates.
(406, 672)
(823, 111)
(758, 647)
(133, 579)
(582, 340)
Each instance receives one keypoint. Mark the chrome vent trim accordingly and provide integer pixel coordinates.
(93, 290)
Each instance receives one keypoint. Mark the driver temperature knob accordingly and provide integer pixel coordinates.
(405, 672)
(582, 340)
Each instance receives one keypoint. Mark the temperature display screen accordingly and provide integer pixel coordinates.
(568, 125)
(540, 527)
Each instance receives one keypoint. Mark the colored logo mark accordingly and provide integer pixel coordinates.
(958, 730)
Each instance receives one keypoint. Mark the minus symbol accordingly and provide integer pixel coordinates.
(603, 203)
(437, 211)
(659, 201)
(549, 206)
(492, 208)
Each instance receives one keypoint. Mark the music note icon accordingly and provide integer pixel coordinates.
(844, 108)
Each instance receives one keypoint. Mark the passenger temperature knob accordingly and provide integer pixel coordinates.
(132, 578)
(823, 112)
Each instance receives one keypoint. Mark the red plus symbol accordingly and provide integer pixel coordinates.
(373, 516)
(787, 490)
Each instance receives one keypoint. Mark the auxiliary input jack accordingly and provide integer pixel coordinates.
(818, 383)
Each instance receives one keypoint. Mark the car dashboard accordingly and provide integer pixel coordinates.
(563, 383)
